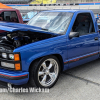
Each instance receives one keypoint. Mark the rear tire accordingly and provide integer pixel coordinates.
(44, 73)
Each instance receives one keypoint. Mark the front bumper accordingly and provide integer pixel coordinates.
(14, 77)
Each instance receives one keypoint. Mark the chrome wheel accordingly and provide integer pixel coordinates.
(48, 72)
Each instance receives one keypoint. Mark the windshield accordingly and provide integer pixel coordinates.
(29, 15)
(56, 22)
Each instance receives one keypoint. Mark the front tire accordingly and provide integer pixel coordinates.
(45, 72)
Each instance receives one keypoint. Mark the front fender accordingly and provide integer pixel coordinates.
(33, 51)
(42, 54)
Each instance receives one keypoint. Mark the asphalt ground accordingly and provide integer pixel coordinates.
(79, 83)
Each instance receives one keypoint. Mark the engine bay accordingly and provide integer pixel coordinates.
(20, 38)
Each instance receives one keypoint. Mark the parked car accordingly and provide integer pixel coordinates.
(10, 15)
(51, 42)
(26, 17)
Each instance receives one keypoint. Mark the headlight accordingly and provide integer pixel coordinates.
(14, 57)
(13, 61)
(4, 55)
(5, 64)
(11, 56)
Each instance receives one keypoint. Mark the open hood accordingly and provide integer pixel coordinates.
(11, 27)
(17, 35)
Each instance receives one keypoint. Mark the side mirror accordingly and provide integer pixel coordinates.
(73, 34)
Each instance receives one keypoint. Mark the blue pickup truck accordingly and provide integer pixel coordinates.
(51, 42)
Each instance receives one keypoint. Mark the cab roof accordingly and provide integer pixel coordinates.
(8, 9)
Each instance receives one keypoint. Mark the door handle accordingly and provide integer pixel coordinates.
(96, 38)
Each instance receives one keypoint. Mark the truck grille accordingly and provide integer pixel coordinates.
(6, 48)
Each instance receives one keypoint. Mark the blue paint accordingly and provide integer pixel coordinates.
(13, 73)
(86, 3)
(89, 3)
(97, 3)
(29, 5)
(94, 3)
(16, 5)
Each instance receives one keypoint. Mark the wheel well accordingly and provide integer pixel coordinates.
(56, 55)
(60, 61)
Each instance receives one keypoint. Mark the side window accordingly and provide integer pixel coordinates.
(83, 24)
(9, 16)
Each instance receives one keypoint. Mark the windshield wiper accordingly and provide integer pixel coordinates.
(45, 29)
